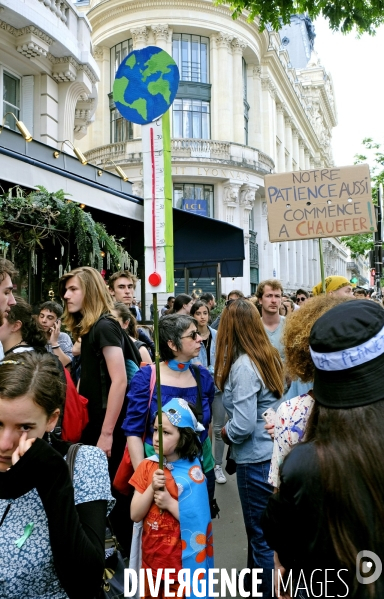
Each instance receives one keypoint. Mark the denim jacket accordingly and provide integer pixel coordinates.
(245, 398)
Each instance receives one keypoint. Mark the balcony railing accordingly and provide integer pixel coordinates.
(59, 7)
(223, 152)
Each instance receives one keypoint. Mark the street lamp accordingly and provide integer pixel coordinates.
(20, 125)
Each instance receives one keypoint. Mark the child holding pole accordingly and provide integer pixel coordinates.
(173, 504)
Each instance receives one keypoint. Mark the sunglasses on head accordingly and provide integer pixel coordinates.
(229, 302)
(193, 335)
(301, 299)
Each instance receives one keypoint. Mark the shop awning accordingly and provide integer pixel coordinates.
(202, 243)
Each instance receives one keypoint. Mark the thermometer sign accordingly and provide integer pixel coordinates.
(158, 233)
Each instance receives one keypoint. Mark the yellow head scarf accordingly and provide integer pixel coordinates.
(331, 284)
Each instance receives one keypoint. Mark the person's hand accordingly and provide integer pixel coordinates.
(76, 348)
(270, 429)
(54, 332)
(279, 572)
(225, 437)
(158, 480)
(163, 499)
(105, 443)
(22, 448)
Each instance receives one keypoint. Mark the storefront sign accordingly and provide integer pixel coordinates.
(327, 202)
(196, 206)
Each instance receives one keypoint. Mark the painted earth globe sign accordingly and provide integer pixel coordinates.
(145, 85)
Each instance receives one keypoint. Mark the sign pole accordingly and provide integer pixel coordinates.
(158, 382)
(378, 241)
(321, 264)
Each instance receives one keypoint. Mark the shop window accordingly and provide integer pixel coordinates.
(196, 198)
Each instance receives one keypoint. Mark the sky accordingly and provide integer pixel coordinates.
(355, 66)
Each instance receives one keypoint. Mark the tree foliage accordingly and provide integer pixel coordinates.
(363, 16)
(361, 244)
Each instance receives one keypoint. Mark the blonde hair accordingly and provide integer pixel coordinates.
(97, 300)
(241, 331)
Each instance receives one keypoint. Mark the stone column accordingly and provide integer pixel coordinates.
(247, 201)
(161, 35)
(215, 92)
(302, 154)
(305, 276)
(99, 133)
(268, 118)
(139, 37)
(225, 86)
(238, 46)
(295, 149)
(231, 202)
(288, 141)
(307, 160)
(280, 108)
(256, 107)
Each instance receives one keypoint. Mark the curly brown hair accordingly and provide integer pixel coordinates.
(298, 361)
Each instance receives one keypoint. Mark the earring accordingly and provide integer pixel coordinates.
(49, 436)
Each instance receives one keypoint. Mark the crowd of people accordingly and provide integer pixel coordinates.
(293, 385)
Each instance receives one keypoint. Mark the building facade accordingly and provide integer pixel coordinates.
(249, 103)
(244, 108)
(48, 75)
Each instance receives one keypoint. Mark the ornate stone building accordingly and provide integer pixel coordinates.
(48, 76)
(244, 108)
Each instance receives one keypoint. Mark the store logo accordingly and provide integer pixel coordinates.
(368, 567)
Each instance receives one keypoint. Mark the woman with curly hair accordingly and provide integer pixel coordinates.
(292, 415)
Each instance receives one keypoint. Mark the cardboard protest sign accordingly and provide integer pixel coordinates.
(327, 202)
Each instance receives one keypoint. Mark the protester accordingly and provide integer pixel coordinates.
(168, 306)
(232, 295)
(301, 296)
(7, 272)
(182, 304)
(20, 332)
(332, 485)
(50, 529)
(360, 293)
(209, 299)
(175, 500)
(289, 306)
(179, 343)
(293, 414)
(337, 286)
(269, 294)
(283, 309)
(59, 343)
(127, 323)
(87, 306)
(206, 357)
(249, 371)
(122, 286)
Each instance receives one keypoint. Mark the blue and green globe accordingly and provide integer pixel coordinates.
(145, 85)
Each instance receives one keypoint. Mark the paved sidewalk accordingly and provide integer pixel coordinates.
(229, 538)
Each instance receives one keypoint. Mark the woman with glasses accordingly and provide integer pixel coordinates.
(179, 343)
(249, 371)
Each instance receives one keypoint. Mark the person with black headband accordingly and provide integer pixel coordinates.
(329, 511)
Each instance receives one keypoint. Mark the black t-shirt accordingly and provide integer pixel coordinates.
(107, 333)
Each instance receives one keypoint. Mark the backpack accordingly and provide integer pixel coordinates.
(132, 359)
(75, 414)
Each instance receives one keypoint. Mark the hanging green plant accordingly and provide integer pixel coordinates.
(28, 220)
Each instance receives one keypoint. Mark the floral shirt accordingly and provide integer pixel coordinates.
(27, 571)
(290, 424)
